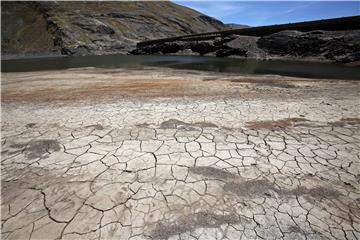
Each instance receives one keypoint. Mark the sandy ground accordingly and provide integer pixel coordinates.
(174, 154)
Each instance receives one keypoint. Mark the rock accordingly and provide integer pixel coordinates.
(239, 42)
(230, 51)
(170, 48)
(164, 48)
(152, 49)
(203, 47)
(290, 42)
(137, 51)
(338, 46)
(77, 51)
(95, 26)
(348, 58)
(217, 41)
(247, 44)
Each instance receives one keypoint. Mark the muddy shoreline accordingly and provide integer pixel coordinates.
(6, 57)
(90, 83)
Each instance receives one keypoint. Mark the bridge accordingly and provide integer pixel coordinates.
(333, 24)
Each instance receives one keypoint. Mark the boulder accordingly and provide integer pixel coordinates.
(170, 48)
(203, 47)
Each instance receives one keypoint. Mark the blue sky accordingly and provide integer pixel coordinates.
(256, 13)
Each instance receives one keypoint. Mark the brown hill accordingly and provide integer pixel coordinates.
(94, 27)
(236, 26)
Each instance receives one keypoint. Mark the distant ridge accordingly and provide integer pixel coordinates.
(236, 26)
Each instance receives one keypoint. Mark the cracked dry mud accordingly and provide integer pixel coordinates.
(168, 154)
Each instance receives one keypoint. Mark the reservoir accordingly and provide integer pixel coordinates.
(227, 65)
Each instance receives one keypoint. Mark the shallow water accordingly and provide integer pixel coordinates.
(229, 65)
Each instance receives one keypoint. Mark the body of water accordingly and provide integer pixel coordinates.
(229, 65)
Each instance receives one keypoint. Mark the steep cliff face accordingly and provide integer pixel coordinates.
(77, 28)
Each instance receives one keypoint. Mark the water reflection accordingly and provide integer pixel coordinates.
(230, 65)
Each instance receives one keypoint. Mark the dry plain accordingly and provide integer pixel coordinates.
(174, 154)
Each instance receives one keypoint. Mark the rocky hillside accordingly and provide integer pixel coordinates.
(79, 28)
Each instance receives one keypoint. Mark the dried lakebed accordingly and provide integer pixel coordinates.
(175, 154)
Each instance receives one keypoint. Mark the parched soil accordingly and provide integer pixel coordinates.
(169, 154)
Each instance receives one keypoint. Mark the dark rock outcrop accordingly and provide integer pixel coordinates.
(335, 46)
(203, 47)
(165, 48)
